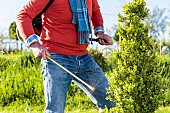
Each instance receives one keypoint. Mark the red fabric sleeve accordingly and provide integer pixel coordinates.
(97, 19)
(26, 14)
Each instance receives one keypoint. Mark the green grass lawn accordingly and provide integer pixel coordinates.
(25, 108)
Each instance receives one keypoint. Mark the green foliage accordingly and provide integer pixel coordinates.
(100, 59)
(116, 36)
(136, 87)
(163, 63)
(163, 110)
(12, 31)
(156, 45)
(21, 85)
(111, 60)
(20, 80)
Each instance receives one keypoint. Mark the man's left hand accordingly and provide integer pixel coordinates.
(105, 39)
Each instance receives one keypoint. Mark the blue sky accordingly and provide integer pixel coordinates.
(109, 9)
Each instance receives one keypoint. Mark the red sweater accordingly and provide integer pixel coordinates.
(58, 35)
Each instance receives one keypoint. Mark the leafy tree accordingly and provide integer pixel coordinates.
(136, 87)
(12, 31)
(157, 23)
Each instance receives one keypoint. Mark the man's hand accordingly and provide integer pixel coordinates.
(39, 51)
(104, 39)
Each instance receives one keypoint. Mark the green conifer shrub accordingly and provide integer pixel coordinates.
(136, 86)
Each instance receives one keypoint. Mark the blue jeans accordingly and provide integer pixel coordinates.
(57, 81)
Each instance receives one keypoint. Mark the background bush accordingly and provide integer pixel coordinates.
(163, 63)
(100, 59)
(21, 81)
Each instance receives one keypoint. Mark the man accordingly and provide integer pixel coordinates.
(65, 38)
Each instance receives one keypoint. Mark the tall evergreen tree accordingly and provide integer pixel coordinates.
(12, 31)
(136, 87)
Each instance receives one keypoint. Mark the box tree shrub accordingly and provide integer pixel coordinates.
(136, 86)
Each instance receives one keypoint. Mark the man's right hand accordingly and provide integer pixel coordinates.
(39, 51)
